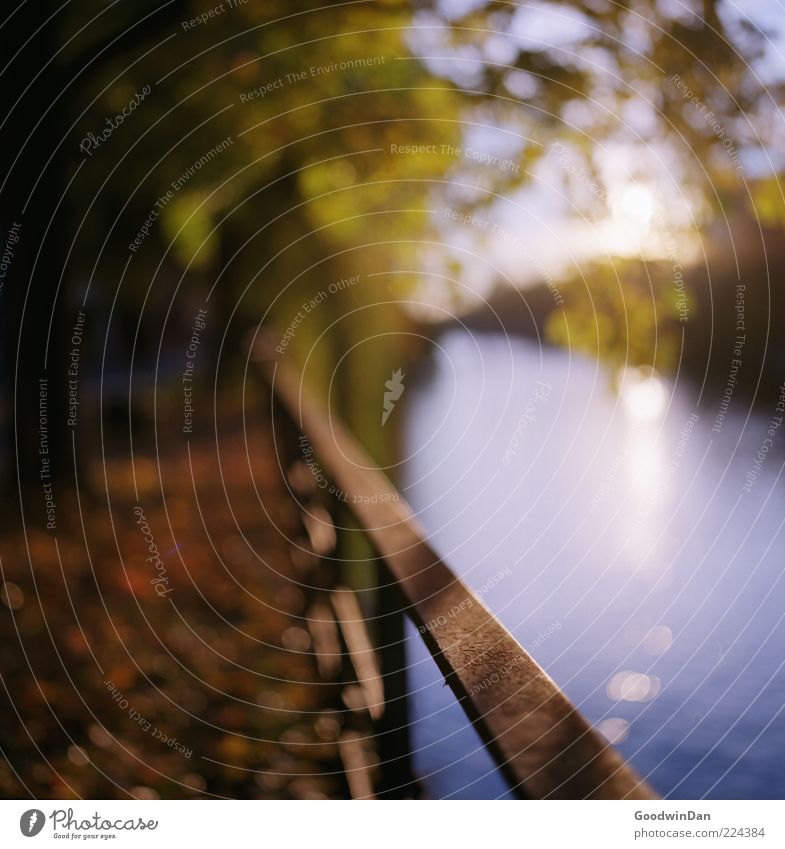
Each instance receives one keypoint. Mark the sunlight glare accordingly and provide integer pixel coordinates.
(635, 206)
(643, 393)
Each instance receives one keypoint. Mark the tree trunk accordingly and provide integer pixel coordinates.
(34, 209)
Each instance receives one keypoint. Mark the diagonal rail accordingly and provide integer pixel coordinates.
(540, 741)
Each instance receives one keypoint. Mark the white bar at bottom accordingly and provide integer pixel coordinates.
(346, 825)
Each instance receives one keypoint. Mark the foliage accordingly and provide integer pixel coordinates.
(625, 314)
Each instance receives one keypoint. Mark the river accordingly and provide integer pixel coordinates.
(634, 549)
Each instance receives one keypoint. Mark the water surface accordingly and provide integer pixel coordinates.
(613, 535)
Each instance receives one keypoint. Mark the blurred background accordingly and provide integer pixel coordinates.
(528, 251)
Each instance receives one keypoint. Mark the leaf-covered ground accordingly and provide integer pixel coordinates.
(177, 678)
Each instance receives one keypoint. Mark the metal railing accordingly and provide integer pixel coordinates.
(542, 744)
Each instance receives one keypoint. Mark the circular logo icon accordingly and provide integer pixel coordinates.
(31, 822)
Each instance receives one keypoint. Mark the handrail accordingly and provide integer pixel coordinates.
(539, 740)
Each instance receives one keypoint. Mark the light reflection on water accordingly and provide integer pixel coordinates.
(629, 543)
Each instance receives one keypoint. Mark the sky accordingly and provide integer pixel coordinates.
(564, 217)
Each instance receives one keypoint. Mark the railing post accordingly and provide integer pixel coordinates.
(537, 737)
(394, 735)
